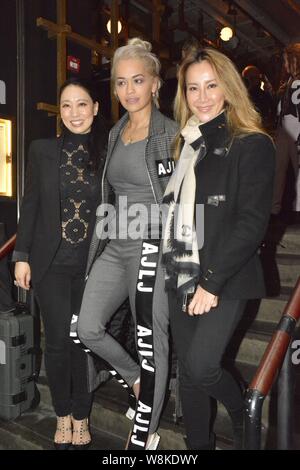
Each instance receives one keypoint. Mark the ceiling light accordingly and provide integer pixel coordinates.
(108, 26)
(226, 33)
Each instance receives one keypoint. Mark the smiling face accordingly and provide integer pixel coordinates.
(77, 109)
(134, 85)
(205, 98)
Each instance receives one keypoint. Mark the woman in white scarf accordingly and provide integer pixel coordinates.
(225, 174)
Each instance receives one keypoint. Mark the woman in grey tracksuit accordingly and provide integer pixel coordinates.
(124, 253)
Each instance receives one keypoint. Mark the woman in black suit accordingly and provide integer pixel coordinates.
(219, 201)
(57, 217)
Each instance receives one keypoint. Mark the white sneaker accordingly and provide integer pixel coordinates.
(153, 441)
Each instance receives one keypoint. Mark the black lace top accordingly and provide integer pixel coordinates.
(79, 191)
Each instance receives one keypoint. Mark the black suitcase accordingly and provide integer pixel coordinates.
(17, 362)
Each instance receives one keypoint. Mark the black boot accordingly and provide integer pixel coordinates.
(211, 445)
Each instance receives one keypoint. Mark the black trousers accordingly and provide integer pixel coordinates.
(200, 342)
(59, 295)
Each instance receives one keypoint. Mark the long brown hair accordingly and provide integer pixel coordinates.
(241, 114)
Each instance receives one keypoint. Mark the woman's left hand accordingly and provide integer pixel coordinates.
(202, 302)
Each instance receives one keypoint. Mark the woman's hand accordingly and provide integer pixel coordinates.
(202, 302)
(23, 274)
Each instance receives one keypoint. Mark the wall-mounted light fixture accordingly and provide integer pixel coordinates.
(226, 33)
(5, 157)
(108, 26)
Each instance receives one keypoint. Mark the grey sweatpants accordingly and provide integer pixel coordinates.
(114, 277)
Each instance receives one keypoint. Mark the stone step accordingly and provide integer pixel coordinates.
(34, 430)
(109, 414)
(290, 242)
(289, 269)
(262, 316)
(111, 404)
(14, 436)
(247, 349)
(285, 293)
(248, 346)
(270, 310)
(110, 426)
(260, 320)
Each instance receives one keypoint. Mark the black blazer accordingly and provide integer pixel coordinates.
(234, 182)
(39, 228)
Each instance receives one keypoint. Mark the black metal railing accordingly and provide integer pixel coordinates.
(276, 359)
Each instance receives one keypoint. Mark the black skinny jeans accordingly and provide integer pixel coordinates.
(59, 295)
(200, 342)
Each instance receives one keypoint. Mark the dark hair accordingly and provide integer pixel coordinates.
(190, 46)
(292, 52)
(97, 143)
